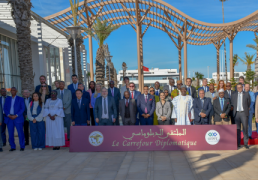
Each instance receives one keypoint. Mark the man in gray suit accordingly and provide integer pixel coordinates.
(1, 122)
(241, 102)
(212, 95)
(128, 109)
(171, 86)
(105, 109)
(66, 96)
(191, 90)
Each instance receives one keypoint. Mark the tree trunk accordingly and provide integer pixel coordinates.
(218, 74)
(248, 67)
(100, 66)
(22, 15)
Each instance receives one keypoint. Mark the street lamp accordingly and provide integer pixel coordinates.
(74, 31)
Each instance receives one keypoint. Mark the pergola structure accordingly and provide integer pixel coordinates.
(181, 28)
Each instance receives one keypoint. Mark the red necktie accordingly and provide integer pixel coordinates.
(132, 95)
(146, 105)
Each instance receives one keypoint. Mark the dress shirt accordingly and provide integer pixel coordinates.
(26, 102)
(12, 106)
(104, 116)
(241, 96)
(212, 94)
(75, 86)
(145, 97)
(112, 91)
(229, 93)
(156, 91)
(127, 100)
(222, 101)
(205, 88)
(79, 101)
(62, 91)
(35, 106)
(171, 88)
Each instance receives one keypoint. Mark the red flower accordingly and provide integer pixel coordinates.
(150, 99)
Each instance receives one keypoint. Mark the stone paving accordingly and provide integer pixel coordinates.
(150, 165)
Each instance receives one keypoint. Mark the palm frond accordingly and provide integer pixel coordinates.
(252, 46)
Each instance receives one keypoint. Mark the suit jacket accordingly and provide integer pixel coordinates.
(197, 106)
(218, 111)
(209, 95)
(25, 111)
(227, 95)
(67, 100)
(136, 94)
(112, 111)
(164, 110)
(252, 96)
(117, 96)
(132, 109)
(80, 115)
(193, 92)
(160, 91)
(246, 102)
(208, 89)
(1, 116)
(18, 108)
(85, 94)
(141, 104)
(38, 88)
(166, 87)
(71, 88)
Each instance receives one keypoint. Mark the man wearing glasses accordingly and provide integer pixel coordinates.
(115, 93)
(228, 94)
(134, 95)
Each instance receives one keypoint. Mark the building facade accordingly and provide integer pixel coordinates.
(223, 75)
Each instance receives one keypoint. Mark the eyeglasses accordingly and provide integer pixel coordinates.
(151, 90)
(131, 86)
(43, 86)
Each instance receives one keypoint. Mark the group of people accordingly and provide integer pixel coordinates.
(47, 112)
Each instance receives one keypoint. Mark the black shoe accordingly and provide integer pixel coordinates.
(54, 148)
(58, 148)
(27, 144)
(4, 144)
(12, 149)
(250, 137)
(1, 150)
(239, 145)
(246, 146)
(22, 149)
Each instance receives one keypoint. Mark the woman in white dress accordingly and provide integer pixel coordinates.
(54, 114)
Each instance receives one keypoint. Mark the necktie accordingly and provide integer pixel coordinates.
(146, 105)
(202, 102)
(132, 95)
(229, 94)
(212, 94)
(74, 86)
(62, 95)
(188, 89)
(126, 103)
(205, 89)
(113, 92)
(239, 102)
(221, 105)
(79, 104)
(105, 106)
(157, 93)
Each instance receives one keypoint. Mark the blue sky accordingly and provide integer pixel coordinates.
(159, 50)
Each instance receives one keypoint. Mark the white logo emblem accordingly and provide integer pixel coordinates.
(96, 138)
(212, 137)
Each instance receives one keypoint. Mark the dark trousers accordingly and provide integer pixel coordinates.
(127, 121)
(26, 132)
(19, 126)
(92, 117)
(201, 123)
(232, 117)
(117, 118)
(37, 133)
(146, 121)
(241, 118)
(105, 122)
(167, 122)
(3, 131)
(83, 124)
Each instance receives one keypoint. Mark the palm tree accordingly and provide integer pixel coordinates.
(100, 31)
(248, 60)
(255, 47)
(235, 62)
(225, 41)
(88, 76)
(79, 40)
(21, 13)
(198, 76)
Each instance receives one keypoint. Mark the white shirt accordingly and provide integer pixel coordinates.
(241, 96)
(104, 116)
(35, 107)
(12, 104)
(171, 88)
(205, 88)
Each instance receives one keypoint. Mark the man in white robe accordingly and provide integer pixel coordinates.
(183, 108)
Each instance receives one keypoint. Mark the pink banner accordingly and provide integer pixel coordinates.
(153, 138)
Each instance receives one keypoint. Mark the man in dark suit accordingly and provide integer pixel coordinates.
(85, 94)
(190, 89)
(202, 108)
(241, 102)
(1, 122)
(157, 88)
(74, 86)
(204, 86)
(27, 100)
(146, 107)
(222, 108)
(134, 95)
(128, 109)
(228, 93)
(171, 86)
(42, 80)
(115, 93)
(80, 110)
(14, 107)
(105, 111)
(242, 81)
(3, 127)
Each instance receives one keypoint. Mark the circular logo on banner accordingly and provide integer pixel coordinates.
(212, 137)
(96, 138)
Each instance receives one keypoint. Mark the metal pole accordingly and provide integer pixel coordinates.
(75, 56)
(91, 59)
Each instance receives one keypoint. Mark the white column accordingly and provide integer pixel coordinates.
(70, 62)
(42, 65)
(84, 53)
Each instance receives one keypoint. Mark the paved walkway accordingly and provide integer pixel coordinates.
(152, 165)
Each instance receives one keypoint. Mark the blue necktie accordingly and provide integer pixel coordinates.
(157, 93)
(221, 104)
(188, 89)
(79, 104)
